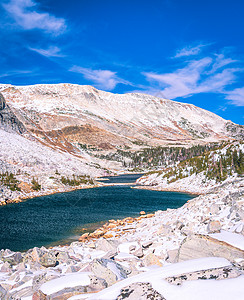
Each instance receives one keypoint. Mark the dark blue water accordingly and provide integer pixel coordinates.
(59, 218)
(125, 178)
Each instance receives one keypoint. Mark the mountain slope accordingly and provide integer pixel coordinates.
(73, 113)
(199, 174)
(55, 132)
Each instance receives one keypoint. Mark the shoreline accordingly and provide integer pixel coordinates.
(47, 193)
(66, 189)
(152, 188)
(92, 231)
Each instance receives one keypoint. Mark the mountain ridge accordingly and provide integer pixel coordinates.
(94, 132)
(128, 115)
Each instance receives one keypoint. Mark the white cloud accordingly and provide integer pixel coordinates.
(220, 62)
(194, 78)
(236, 96)
(104, 79)
(189, 51)
(15, 73)
(26, 15)
(182, 82)
(52, 51)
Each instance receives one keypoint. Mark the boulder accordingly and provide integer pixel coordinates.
(70, 285)
(214, 209)
(109, 270)
(197, 246)
(164, 230)
(227, 272)
(48, 259)
(5, 267)
(152, 260)
(172, 256)
(21, 293)
(3, 292)
(146, 244)
(107, 245)
(214, 226)
(63, 257)
(138, 253)
(13, 259)
(139, 290)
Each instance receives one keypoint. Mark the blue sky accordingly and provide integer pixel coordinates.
(189, 51)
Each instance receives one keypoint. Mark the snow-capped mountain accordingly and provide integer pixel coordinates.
(68, 113)
(49, 131)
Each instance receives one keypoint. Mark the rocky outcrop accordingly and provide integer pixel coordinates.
(197, 246)
(109, 270)
(8, 120)
(139, 290)
(227, 272)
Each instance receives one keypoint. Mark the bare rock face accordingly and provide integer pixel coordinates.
(2, 102)
(139, 290)
(197, 246)
(217, 273)
(8, 119)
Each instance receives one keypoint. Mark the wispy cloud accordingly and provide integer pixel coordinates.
(189, 50)
(52, 51)
(104, 79)
(220, 62)
(236, 96)
(15, 73)
(205, 75)
(26, 15)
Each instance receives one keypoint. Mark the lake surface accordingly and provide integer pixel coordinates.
(59, 218)
(125, 178)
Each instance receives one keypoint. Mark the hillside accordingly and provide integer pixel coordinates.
(199, 174)
(72, 113)
(57, 135)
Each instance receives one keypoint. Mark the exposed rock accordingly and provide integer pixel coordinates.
(138, 253)
(146, 244)
(139, 290)
(8, 120)
(214, 226)
(19, 294)
(107, 245)
(5, 267)
(3, 292)
(2, 102)
(14, 258)
(48, 260)
(63, 288)
(197, 246)
(109, 270)
(218, 274)
(172, 255)
(63, 257)
(152, 260)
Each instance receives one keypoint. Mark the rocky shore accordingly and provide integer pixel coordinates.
(193, 252)
(7, 196)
